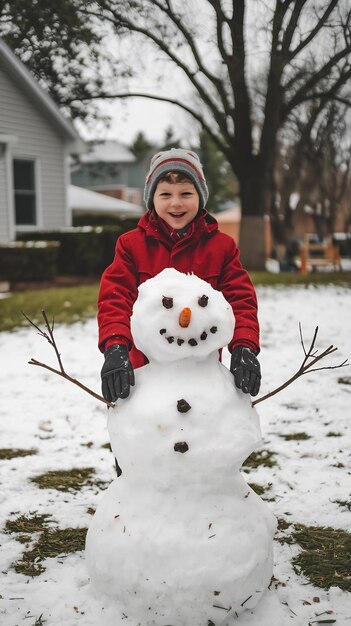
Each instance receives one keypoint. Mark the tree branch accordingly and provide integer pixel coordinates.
(315, 30)
(304, 93)
(311, 358)
(243, 141)
(227, 59)
(218, 84)
(49, 336)
(124, 21)
(221, 19)
(330, 94)
(292, 24)
(221, 145)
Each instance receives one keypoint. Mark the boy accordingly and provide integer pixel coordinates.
(176, 231)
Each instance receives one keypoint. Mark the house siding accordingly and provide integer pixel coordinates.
(4, 213)
(38, 139)
(96, 175)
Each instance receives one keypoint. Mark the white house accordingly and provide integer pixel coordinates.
(35, 143)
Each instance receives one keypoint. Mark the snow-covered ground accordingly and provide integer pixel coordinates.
(68, 428)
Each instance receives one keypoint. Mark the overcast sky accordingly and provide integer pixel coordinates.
(139, 114)
(154, 74)
(128, 117)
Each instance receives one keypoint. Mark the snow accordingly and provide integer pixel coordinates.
(81, 199)
(181, 524)
(158, 339)
(68, 428)
(110, 151)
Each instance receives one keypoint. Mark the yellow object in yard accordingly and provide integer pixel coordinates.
(315, 255)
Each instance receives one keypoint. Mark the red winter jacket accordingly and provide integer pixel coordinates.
(151, 247)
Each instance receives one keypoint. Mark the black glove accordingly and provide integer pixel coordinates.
(246, 370)
(117, 373)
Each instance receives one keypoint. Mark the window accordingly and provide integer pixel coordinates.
(24, 188)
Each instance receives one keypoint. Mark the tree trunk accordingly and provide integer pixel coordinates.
(255, 241)
(256, 196)
(252, 193)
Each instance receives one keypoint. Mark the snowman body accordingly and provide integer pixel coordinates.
(180, 538)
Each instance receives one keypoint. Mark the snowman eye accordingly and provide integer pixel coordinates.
(203, 301)
(167, 302)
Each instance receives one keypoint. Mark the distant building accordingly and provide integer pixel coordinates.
(109, 167)
(89, 203)
(35, 142)
(229, 220)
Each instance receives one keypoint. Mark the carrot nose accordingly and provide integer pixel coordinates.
(185, 317)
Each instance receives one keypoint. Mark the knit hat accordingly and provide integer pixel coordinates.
(175, 160)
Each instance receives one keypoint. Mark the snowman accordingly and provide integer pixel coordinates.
(179, 538)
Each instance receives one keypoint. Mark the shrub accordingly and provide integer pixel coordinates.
(117, 221)
(84, 251)
(28, 260)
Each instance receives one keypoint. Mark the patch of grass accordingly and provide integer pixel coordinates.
(28, 568)
(24, 538)
(68, 480)
(325, 556)
(12, 453)
(281, 535)
(51, 543)
(67, 304)
(345, 504)
(283, 524)
(292, 406)
(31, 523)
(344, 380)
(261, 457)
(260, 489)
(332, 434)
(295, 437)
(71, 304)
(295, 278)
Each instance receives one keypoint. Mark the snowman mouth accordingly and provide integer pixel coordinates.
(192, 341)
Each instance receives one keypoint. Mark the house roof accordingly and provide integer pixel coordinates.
(81, 199)
(109, 151)
(31, 87)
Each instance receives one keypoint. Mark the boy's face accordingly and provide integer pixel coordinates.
(176, 203)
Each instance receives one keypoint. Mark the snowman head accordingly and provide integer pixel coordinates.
(178, 316)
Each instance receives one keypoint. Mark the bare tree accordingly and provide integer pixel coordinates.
(306, 58)
(247, 66)
(316, 166)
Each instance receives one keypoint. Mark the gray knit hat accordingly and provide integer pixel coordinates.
(175, 160)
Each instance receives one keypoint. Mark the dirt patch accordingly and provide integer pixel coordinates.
(48, 542)
(295, 436)
(325, 556)
(13, 453)
(69, 480)
(262, 457)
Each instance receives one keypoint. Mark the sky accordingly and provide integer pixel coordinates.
(138, 114)
(154, 74)
(68, 429)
